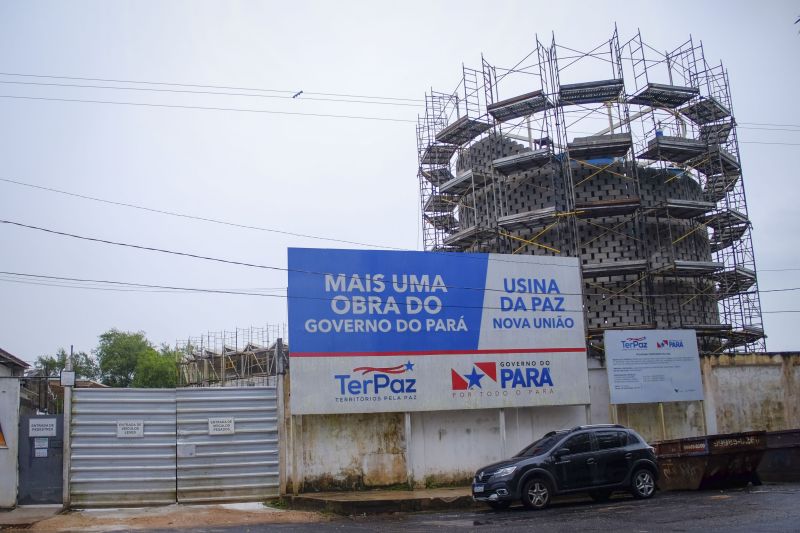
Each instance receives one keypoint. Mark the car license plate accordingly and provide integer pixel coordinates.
(477, 488)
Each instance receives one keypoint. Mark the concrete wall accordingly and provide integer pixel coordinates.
(9, 420)
(753, 392)
(439, 448)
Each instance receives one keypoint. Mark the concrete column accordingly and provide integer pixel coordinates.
(409, 461)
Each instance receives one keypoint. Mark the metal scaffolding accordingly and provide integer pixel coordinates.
(624, 156)
(242, 357)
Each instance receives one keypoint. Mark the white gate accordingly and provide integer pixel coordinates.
(227, 444)
(123, 447)
(159, 446)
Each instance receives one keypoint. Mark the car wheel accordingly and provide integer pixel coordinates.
(500, 506)
(643, 485)
(536, 494)
(600, 495)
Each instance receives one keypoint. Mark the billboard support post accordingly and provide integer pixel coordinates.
(663, 422)
(409, 464)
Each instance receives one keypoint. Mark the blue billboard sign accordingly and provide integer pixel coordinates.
(405, 331)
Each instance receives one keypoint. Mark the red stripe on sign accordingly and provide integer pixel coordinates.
(439, 352)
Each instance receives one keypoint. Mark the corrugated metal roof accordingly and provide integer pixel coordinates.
(6, 358)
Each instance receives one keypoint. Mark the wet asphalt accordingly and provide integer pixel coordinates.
(773, 508)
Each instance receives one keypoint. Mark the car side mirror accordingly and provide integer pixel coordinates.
(561, 452)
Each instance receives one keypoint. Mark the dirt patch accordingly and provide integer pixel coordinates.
(173, 516)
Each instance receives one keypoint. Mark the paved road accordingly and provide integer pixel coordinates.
(770, 508)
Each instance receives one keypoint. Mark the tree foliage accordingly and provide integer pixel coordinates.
(84, 365)
(128, 359)
(155, 369)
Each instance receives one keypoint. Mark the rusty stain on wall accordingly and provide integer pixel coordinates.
(354, 451)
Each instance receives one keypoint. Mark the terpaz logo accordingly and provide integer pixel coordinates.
(377, 380)
(634, 343)
(485, 374)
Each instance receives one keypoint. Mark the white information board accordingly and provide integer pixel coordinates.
(652, 366)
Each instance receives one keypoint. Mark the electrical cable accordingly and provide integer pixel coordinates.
(207, 108)
(223, 87)
(194, 217)
(186, 91)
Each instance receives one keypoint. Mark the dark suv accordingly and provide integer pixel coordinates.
(597, 459)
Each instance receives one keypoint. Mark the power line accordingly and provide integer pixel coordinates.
(132, 286)
(770, 124)
(198, 86)
(147, 248)
(764, 142)
(193, 217)
(187, 91)
(207, 108)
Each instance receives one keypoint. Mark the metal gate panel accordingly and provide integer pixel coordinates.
(237, 459)
(123, 447)
(41, 462)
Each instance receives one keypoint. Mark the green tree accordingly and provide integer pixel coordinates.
(128, 359)
(155, 369)
(84, 365)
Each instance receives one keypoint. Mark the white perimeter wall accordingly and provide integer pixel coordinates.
(9, 420)
(437, 448)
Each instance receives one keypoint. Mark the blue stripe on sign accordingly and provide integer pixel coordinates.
(384, 301)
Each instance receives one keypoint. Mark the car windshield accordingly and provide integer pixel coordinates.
(540, 446)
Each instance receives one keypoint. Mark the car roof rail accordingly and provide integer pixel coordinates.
(596, 426)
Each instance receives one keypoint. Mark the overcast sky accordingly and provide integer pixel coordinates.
(342, 178)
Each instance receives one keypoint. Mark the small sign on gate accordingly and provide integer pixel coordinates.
(40, 442)
(221, 426)
(130, 429)
(42, 427)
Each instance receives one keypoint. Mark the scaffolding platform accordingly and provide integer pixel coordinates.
(443, 221)
(716, 161)
(675, 149)
(684, 209)
(440, 203)
(519, 106)
(717, 187)
(438, 154)
(661, 95)
(523, 161)
(706, 110)
(443, 248)
(468, 236)
(528, 219)
(464, 182)
(437, 176)
(607, 208)
(709, 330)
(734, 281)
(614, 268)
(685, 268)
(597, 333)
(591, 92)
(600, 146)
(743, 336)
(462, 131)
(716, 133)
(729, 226)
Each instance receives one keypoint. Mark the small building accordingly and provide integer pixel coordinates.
(11, 366)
